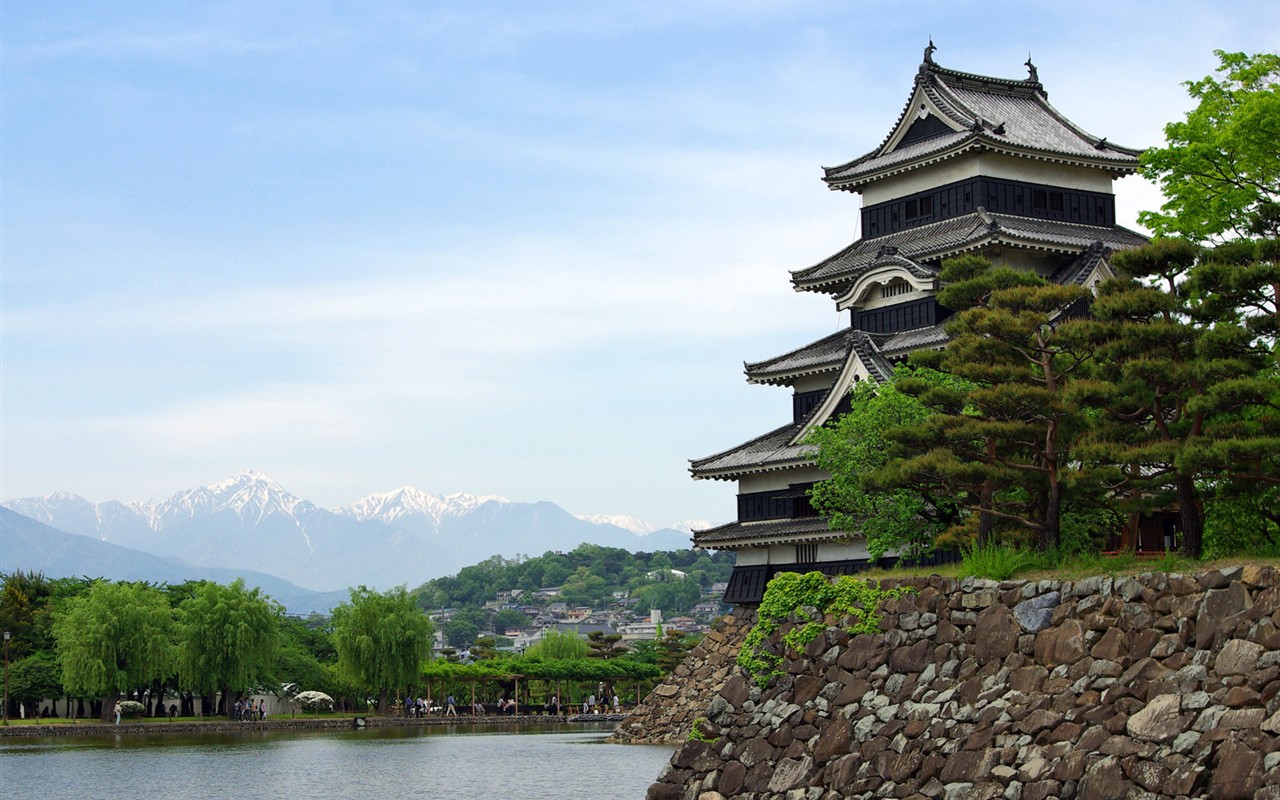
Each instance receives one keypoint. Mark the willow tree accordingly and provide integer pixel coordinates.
(559, 646)
(228, 639)
(382, 638)
(113, 639)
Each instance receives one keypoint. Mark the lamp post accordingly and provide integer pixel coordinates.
(6, 677)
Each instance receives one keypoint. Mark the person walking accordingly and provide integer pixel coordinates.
(450, 711)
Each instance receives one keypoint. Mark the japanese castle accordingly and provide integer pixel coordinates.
(973, 165)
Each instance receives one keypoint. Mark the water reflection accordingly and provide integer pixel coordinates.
(384, 763)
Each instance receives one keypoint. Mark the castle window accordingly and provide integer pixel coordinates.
(894, 289)
(806, 553)
(1040, 199)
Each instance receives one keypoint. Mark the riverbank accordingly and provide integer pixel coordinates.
(160, 727)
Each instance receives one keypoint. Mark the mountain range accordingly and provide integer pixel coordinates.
(28, 545)
(250, 522)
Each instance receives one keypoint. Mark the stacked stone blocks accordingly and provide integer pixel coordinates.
(1154, 686)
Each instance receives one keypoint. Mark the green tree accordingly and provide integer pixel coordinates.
(1220, 168)
(25, 612)
(113, 639)
(1178, 382)
(904, 519)
(508, 618)
(460, 633)
(34, 678)
(559, 646)
(228, 639)
(1001, 447)
(382, 640)
(605, 646)
(672, 649)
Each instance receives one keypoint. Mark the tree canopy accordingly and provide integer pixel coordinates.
(114, 638)
(382, 639)
(905, 519)
(229, 637)
(1220, 168)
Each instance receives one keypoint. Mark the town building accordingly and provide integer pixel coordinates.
(973, 165)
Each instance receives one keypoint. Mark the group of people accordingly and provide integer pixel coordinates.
(600, 703)
(245, 711)
(417, 707)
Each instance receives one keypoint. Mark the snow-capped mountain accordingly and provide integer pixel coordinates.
(410, 507)
(641, 528)
(636, 526)
(250, 521)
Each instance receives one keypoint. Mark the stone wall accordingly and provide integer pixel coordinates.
(1158, 686)
(667, 714)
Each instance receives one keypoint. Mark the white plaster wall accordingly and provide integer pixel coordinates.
(992, 165)
(773, 481)
(812, 383)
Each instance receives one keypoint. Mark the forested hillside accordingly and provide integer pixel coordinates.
(586, 576)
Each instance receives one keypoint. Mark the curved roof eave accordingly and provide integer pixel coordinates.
(734, 473)
(855, 183)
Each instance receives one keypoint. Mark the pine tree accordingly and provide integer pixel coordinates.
(1002, 446)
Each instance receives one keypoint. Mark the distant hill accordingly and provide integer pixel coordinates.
(250, 522)
(29, 545)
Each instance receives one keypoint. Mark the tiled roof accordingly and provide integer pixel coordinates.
(900, 344)
(879, 367)
(938, 240)
(1076, 272)
(763, 453)
(998, 114)
(828, 353)
(809, 529)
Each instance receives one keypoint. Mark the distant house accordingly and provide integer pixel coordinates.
(547, 593)
(647, 629)
(707, 608)
(665, 574)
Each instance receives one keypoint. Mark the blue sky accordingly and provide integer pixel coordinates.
(508, 248)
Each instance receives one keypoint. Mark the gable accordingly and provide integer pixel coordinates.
(924, 128)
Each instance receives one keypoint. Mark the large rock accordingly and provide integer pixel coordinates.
(1104, 781)
(1161, 721)
(1061, 645)
(996, 633)
(790, 773)
(1034, 615)
(1238, 773)
(1238, 657)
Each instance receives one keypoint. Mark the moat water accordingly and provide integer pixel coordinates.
(532, 763)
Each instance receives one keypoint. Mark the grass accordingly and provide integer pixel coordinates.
(1004, 563)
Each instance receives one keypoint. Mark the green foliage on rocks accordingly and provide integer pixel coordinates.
(810, 597)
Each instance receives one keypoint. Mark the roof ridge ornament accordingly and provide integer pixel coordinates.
(1032, 75)
(928, 53)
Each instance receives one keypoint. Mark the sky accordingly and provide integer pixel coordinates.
(505, 248)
